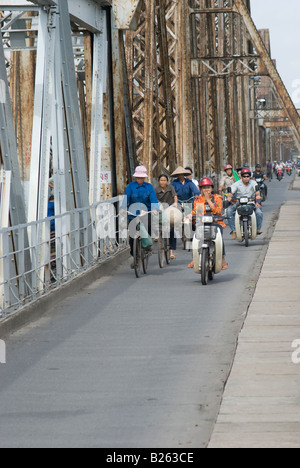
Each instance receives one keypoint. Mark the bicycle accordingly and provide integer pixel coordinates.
(141, 255)
(163, 247)
(186, 210)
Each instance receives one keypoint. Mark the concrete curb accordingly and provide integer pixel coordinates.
(260, 405)
(39, 308)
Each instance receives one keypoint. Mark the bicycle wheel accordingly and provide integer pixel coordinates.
(204, 267)
(137, 256)
(161, 251)
(145, 260)
(167, 251)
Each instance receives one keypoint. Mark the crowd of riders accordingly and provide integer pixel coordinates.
(215, 200)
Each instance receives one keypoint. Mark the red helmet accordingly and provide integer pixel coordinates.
(206, 182)
(246, 171)
(228, 167)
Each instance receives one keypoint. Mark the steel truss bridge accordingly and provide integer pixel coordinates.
(91, 88)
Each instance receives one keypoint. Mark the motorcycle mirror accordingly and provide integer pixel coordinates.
(229, 190)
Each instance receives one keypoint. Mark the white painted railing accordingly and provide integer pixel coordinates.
(39, 257)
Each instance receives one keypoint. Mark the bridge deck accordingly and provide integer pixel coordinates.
(131, 363)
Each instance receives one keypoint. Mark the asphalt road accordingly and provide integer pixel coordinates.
(132, 363)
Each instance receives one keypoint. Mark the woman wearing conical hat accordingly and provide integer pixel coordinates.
(185, 188)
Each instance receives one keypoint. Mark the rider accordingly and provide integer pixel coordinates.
(259, 174)
(279, 167)
(245, 188)
(166, 194)
(140, 197)
(228, 178)
(211, 204)
(185, 188)
(195, 181)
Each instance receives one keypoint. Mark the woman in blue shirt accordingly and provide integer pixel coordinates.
(186, 190)
(140, 197)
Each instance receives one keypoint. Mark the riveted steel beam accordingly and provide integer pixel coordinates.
(124, 12)
(270, 67)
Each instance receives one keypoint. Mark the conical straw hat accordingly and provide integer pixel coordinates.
(180, 171)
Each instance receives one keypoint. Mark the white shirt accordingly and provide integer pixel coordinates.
(239, 189)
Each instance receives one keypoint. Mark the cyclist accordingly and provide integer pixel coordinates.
(140, 197)
(185, 188)
(166, 194)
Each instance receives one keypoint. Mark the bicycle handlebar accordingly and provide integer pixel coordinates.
(141, 214)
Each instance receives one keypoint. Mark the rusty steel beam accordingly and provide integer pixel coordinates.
(119, 121)
(276, 124)
(270, 67)
(152, 87)
(125, 12)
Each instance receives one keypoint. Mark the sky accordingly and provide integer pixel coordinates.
(282, 17)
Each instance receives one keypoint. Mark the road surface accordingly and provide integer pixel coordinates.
(132, 363)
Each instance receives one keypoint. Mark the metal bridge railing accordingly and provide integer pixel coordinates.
(39, 257)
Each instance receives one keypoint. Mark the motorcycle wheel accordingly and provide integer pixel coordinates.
(246, 233)
(204, 267)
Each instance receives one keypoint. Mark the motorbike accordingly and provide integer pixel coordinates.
(262, 188)
(279, 174)
(208, 248)
(245, 220)
(289, 171)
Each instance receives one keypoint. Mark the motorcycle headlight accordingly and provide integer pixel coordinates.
(207, 219)
(244, 200)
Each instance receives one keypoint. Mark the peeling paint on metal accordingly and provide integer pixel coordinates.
(124, 12)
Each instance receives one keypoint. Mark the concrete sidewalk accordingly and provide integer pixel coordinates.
(261, 403)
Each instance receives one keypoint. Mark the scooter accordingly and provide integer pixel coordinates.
(245, 220)
(262, 188)
(289, 171)
(279, 175)
(208, 248)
